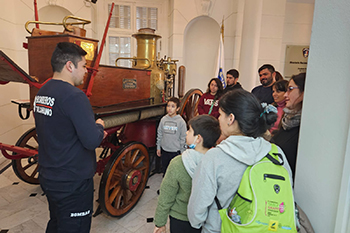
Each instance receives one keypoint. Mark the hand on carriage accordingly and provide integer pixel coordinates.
(159, 229)
(159, 153)
(101, 122)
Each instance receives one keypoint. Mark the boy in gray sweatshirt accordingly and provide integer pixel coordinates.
(171, 134)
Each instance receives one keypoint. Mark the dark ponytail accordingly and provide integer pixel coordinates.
(252, 118)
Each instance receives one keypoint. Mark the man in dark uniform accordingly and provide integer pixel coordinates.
(68, 135)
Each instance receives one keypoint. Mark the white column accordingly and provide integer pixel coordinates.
(323, 163)
(250, 43)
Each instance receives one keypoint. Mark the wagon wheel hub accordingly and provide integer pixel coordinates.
(133, 179)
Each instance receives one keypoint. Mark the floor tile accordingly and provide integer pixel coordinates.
(21, 213)
(27, 227)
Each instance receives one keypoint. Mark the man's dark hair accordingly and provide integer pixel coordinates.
(267, 66)
(233, 72)
(175, 100)
(208, 127)
(64, 52)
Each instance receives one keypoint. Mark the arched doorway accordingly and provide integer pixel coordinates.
(201, 43)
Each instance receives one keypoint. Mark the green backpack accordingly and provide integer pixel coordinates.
(264, 201)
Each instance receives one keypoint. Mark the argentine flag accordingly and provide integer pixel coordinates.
(220, 63)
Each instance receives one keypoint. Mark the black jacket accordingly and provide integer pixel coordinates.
(67, 132)
(233, 87)
(288, 141)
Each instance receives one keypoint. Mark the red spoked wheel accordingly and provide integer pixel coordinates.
(124, 179)
(27, 168)
(189, 104)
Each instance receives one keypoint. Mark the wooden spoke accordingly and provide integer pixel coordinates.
(118, 200)
(134, 155)
(127, 160)
(118, 173)
(29, 165)
(34, 172)
(142, 168)
(27, 169)
(114, 183)
(138, 161)
(126, 198)
(120, 166)
(36, 138)
(114, 193)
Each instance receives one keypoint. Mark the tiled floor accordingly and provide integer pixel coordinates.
(24, 209)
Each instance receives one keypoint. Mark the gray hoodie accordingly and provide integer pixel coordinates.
(191, 159)
(219, 174)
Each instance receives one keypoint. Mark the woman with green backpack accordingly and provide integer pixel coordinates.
(243, 121)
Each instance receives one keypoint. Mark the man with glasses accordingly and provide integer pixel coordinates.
(267, 79)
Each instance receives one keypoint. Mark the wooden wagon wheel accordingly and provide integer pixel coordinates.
(27, 168)
(124, 179)
(189, 104)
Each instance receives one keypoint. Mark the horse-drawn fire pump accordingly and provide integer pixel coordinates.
(129, 100)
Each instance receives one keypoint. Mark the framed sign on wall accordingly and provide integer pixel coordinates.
(296, 60)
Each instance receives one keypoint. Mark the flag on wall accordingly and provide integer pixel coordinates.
(221, 58)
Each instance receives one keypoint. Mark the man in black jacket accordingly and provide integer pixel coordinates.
(68, 135)
(232, 80)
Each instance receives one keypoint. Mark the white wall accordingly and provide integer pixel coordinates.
(297, 27)
(12, 35)
(181, 13)
(272, 25)
(322, 171)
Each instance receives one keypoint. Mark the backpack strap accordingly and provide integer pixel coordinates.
(273, 155)
(217, 203)
(212, 105)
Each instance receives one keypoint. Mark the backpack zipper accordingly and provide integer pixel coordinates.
(272, 176)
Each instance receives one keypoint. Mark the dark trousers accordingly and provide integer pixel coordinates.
(178, 226)
(70, 205)
(166, 157)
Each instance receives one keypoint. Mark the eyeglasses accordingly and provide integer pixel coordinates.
(291, 88)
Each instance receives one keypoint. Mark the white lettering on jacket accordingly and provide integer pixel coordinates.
(43, 105)
(81, 214)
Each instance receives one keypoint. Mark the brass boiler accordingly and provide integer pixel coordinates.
(147, 59)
